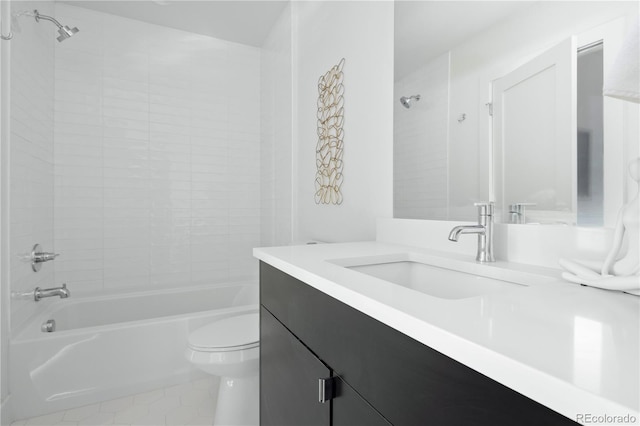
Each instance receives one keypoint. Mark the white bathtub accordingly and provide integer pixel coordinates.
(111, 346)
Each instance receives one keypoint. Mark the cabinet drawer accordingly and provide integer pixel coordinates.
(406, 381)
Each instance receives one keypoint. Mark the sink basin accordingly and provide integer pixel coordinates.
(428, 276)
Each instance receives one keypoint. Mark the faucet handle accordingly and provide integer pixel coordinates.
(485, 208)
(518, 212)
(516, 207)
(38, 257)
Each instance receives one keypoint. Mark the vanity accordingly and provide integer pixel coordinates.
(524, 349)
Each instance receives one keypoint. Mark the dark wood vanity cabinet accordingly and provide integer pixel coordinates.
(380, 375)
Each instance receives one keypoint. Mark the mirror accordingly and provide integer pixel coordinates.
(449, 57)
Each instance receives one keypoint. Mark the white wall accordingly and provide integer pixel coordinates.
(276, 128)
(420, 149)
(157, 156)
(362, 33)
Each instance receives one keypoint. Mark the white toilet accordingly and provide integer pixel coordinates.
(229, 348)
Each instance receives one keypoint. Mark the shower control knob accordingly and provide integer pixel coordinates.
(38, 257)
(44, 257)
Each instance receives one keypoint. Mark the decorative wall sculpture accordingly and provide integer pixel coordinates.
(330, 136)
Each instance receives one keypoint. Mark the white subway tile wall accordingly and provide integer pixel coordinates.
(157, 156)
(31, 151)
(420, 169)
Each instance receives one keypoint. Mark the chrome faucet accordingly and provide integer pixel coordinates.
(40, 293)
(518, 212)
(484, 229)
(38, 257)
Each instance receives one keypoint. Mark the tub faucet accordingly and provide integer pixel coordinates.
(63, 292)
(484, 229)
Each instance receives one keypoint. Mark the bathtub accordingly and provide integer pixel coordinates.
(111, 346)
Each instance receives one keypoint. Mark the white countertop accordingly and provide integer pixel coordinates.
(574, 349)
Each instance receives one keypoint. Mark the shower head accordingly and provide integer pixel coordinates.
(406, 101)
(64, 31)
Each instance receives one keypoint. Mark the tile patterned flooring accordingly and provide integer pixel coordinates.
(186, 404)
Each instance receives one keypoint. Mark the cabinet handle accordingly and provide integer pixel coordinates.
(326, 387)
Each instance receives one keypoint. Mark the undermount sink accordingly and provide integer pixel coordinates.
(430, 276)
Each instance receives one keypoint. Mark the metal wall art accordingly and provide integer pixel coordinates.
(330, 136)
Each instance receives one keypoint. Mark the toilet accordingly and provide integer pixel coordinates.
(229, 348)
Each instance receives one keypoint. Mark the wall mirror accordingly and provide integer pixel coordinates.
(502, 101)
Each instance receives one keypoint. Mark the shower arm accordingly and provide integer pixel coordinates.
(38, 17)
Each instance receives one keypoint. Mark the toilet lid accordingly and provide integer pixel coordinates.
(236, 331)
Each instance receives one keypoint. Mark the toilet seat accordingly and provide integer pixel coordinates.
(234, 333)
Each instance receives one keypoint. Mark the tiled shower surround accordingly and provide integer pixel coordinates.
(420, 153)
(157, 156)
(31, 157)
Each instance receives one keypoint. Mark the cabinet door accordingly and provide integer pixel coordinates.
(289, 375)
(350, 409)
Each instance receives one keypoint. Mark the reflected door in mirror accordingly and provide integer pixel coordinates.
(534, 137)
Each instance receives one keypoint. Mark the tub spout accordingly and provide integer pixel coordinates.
(40, 293)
